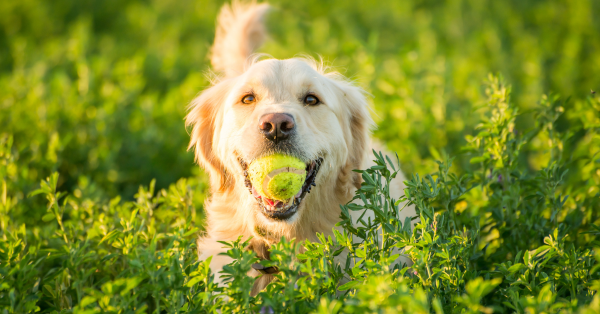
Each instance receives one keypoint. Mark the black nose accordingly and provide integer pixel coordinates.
(276, 127)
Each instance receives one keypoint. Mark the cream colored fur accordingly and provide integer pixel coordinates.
(224, 129)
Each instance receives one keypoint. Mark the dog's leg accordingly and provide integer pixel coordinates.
(208, 247)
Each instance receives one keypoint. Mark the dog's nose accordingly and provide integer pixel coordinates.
(276, 127)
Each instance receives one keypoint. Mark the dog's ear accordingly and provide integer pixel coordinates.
(355, 102)
(204, 117)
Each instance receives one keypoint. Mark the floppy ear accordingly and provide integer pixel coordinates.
(204, 117)
(355, 102)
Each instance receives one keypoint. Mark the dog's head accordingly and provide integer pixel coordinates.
(288, 106)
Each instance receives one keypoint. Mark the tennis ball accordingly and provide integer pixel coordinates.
(277, 177)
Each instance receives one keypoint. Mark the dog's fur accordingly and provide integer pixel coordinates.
(224, 130)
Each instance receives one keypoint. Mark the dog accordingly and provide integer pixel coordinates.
(259, 106)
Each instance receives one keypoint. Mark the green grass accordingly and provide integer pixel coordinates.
(92, 100)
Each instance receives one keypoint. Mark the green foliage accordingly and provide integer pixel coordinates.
(93, 95)
(501, 238)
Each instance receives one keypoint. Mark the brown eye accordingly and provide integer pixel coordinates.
(311, 100)
(248, 99)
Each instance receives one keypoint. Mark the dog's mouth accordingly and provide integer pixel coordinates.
(282, 210)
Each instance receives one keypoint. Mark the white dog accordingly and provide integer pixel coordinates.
(260, 107)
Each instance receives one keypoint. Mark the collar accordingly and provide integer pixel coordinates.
(265, 270)
(262, 252)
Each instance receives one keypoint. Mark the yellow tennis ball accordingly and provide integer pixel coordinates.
(277, 177)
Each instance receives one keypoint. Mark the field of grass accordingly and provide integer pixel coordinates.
(489, 105)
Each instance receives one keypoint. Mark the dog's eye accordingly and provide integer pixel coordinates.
(311, 100)
(248, 99)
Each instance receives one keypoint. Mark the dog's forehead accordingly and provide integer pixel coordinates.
(282, 75)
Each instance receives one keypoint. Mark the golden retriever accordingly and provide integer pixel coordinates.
(257, 107)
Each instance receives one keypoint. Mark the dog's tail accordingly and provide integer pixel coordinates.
(240, 31)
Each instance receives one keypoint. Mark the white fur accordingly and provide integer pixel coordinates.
(224, 129)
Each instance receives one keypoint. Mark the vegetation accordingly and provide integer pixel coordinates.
(93, 98)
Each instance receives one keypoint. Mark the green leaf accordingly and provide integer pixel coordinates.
(516, 267)
(48, 217)
(349, 285)
(190, 232)
(360, 253)
(110, 236)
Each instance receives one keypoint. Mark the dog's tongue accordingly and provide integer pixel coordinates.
(269, 201)
(255, 193)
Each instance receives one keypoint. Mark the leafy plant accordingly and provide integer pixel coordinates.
(506, 186)
(501, 238)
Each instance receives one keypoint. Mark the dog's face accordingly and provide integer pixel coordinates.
(279, 106)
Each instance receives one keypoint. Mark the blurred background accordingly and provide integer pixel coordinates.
(97, 90)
